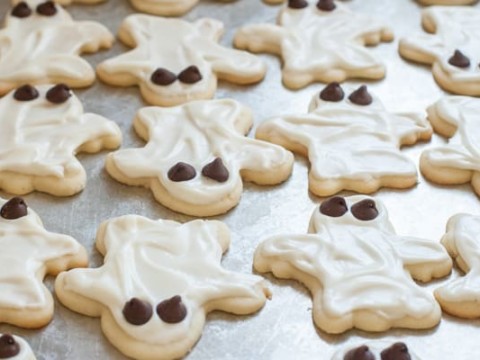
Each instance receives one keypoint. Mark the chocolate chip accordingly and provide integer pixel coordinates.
(397, 351)
(359, 353)
(190, 75)
(163, 77)
(59, 94)
(137, 312)
(361, 96)
(459, 60)
(326, 5)
(172, 311)
(25, 93)
(334, 207)
(8, 346)
(14, 208)
(297, 4)
(365, 210)
(332, 92)
(47, 8)
(21, 10)
(216, 170)
(181, 172)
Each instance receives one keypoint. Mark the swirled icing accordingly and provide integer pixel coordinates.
(453, 28)
(350, 147)
(166, 7)
(196, 133)
(25, 353)
(318, 45)
(359, 272)
(187, 44)
(376, 348)
(153, 261)
(45, 49)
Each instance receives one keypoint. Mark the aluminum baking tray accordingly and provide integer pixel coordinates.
(283, 329)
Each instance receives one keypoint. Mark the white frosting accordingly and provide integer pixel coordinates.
(358, 266)
(165, 7)
(349, 142)
(375, 347)
(25, 353)
(319, 45)
(45, 49)
(187, 44)
(196, 133)
(41, 138)
(154, 261)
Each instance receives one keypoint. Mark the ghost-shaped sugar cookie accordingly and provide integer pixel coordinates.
(352, 143)
(376, 350)
(29, 253)
(41, 131)
(166, 7)
(452, 47)
(183, 66)
(358, 270)
(42, 44)
(461, 296)
(15, 348)
(158, 282)
(458, 161)
(319, 45)
(197, 155)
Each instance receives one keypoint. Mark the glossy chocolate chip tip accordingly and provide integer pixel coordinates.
(59, 94)
(359, 353)
(190, 75)
(459, 60)
(173, 310)
(21, 10)
(8, 346)
(361, 96)
(25, 93)
(181, 172)
(398, 351)
(47, 8)
(326, 5)
(334, 207)
(14, 208)
(216, 170)
(332, 92)
(163, 77)
(297, 4)
(365, 210)
(137, 312)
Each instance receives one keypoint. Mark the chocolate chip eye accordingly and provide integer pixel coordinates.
(21, 10)
(59, 94)
(297, 4)
(326, 5)
(172, 311)
(137, 312)
(216, 170)
(361, 96)
(14, 208)
(181, 172)
(398, 351)
(459, 60)
(47, 8)
(334, 207)
(365, 210)
(332, 92)
(25, 93)
(8, 347)
(190, 75)
(359, 353)
(163, 77)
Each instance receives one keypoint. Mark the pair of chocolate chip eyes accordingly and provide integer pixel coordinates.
(56, 95)
(8, 346)
(324, 5)
(398, 351)
(364, 210)
(334, 92)
(214, 170)
(460, 60)
(164, 77)
(22, 10)
(139, 312)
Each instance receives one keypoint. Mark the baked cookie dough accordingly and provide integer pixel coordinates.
(447, 2)
(351, 140)
(159, 281)
(197, 156)
(358, 270)
(183, 66)
(452, 47)
(319, 45)
(41, 44)
(29, 253)
(13, 347)
(166, 7)
(376, 350)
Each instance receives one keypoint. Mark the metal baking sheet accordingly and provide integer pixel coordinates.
(284, 328)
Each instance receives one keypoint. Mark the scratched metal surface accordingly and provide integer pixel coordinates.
(284, 328)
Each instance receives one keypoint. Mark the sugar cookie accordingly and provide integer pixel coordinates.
(15, 348)
(181, 67)
(166, 7)
(29, 253)
(197, 156)
(452, 47)
(447, 2)
(352, 143)
(358, 270)
(158, 282)
(376, 350)
(319, 45)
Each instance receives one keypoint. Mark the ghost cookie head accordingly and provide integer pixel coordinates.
(334, 95)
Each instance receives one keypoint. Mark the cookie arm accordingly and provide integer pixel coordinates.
(424, 49)
(94, 36)
(260, 38)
